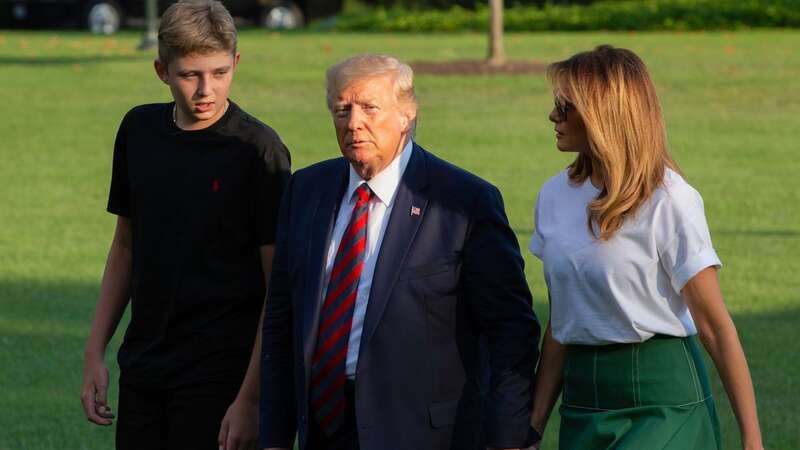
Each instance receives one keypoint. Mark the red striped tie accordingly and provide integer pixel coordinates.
(328, 367)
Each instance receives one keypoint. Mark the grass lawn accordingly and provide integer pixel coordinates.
(732, 102)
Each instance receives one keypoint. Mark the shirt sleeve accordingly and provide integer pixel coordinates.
(685, 247)
(271, 173)
(119, 196)
(536, 243)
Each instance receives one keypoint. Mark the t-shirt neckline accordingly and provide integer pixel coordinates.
(174, 128)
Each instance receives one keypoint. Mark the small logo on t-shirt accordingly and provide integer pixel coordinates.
(214, 185)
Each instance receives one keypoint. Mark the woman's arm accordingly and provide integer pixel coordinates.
(718, 334)
(549, 380)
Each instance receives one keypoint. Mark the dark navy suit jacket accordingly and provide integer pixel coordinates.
(449, 342)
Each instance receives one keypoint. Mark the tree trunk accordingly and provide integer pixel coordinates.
(150, 36)
(497, 53)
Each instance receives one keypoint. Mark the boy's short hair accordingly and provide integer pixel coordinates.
(195, 26)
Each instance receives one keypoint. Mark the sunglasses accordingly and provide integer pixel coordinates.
(563, 109)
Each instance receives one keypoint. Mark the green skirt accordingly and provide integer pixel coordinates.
(649, 396)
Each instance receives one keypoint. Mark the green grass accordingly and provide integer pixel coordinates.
(731, 100)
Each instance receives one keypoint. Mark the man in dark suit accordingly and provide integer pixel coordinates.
(398, 315)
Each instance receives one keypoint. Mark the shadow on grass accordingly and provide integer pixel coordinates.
(69, 60)
(43, 327)
(768, 340)
(64, 302)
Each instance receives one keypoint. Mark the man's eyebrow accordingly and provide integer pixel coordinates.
(365, 100)
(356, 101)
(192, 71)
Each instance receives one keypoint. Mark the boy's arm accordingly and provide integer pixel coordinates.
(111, 303)
(239, 429)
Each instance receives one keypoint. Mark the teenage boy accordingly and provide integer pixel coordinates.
(196, 186)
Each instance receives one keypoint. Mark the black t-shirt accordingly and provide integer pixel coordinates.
(201, 203)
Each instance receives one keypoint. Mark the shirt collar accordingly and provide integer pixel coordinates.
(384, 184)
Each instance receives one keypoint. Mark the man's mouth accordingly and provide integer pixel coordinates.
(203, 107)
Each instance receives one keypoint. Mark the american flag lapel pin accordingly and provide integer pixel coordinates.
(415, 211)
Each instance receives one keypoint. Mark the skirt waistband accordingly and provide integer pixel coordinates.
(663, 370)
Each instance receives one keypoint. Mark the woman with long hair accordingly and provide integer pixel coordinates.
(632, 276)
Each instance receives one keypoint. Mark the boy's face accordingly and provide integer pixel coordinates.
(199, 84)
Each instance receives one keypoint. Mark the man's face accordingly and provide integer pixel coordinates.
(199, 84)
(371, 126)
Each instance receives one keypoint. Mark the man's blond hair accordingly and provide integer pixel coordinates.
(369, 65)
(195, 27)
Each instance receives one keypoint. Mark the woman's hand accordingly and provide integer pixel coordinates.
(549, 381)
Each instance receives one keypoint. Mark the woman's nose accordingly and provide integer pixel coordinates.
(553, 116)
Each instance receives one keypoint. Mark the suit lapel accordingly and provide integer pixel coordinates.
(400, 232)
(321, 227)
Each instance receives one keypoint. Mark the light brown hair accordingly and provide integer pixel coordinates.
(369, 65)
(195, 27)
(616, 99)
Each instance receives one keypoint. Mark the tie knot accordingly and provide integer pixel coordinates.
(363, 193)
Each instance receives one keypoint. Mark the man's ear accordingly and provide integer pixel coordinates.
(161, 70)
(407, 119)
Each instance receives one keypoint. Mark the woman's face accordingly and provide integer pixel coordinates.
(569, 127)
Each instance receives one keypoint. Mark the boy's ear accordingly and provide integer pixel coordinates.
(236, 59)
(161, 70)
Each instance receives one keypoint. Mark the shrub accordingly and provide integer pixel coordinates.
(600, 15)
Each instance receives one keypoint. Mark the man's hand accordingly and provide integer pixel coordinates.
(94, 391)
(239, 430)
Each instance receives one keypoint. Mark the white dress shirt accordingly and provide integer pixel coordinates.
(384, 186)
(625, 289)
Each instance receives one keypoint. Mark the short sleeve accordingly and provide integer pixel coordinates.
(536, 243)
(119, 196)
(271, 173)
(685, 242)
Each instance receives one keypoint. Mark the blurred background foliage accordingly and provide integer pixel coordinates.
(629, 15)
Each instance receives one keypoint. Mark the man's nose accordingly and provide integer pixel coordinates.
(204, 85)
(356, 119)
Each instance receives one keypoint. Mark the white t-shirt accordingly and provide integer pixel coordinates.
(625, 289)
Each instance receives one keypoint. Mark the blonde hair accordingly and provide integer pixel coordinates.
(616, 99)
(195, 26)
(369, 65)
